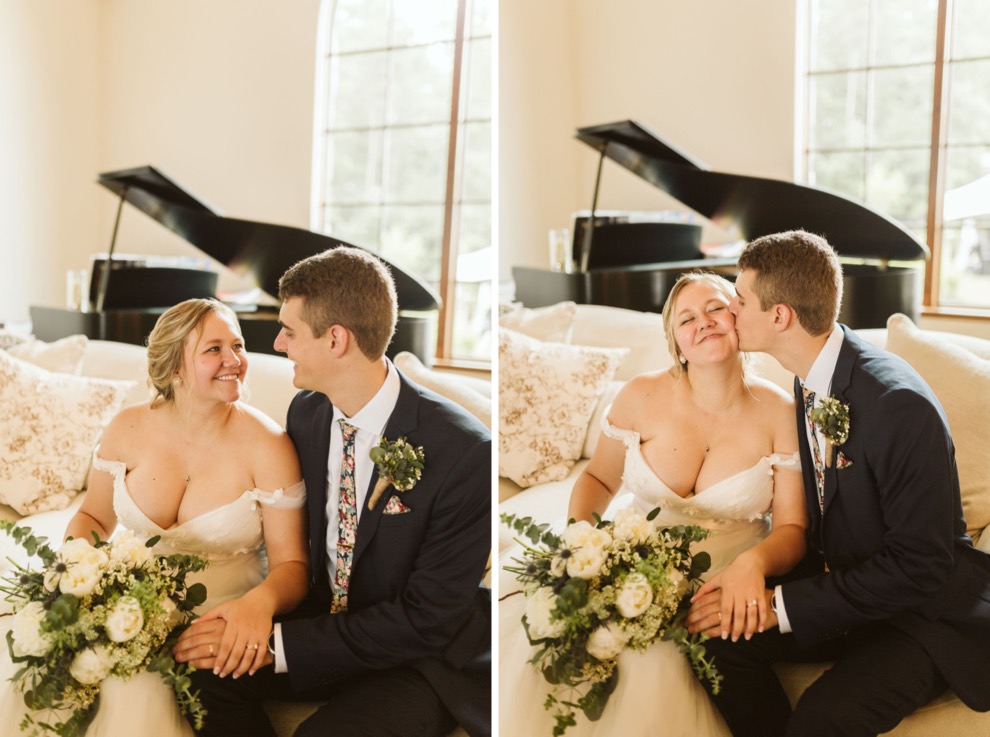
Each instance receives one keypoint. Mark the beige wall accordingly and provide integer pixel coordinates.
(218, 95)
(716, 78)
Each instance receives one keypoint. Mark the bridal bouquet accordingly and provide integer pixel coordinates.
(596, 590)
(94, 611)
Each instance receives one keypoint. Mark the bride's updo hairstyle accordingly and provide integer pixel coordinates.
(167, 340)
(720, 284)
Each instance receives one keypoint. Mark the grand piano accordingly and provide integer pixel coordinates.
(635, 265)
(128, 298)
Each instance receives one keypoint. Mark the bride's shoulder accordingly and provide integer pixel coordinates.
(638, 395)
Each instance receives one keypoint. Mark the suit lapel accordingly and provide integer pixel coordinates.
(841, 378)
(315, 474)
(402, 421)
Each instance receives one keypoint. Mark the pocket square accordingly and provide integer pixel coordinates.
(395, 506)
(842, 461)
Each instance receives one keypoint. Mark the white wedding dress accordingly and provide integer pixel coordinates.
(230, 538)
(657, 692)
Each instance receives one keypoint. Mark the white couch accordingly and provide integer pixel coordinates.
(270, 389)
(956, 366)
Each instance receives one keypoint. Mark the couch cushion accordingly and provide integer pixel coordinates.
(48, 428)
(106, 359)
(547, 394)
(552, 323)
(614, 327)
(961, 381)
(544, 503)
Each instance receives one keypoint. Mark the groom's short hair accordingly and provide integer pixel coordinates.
(348, 287)
(800, 270)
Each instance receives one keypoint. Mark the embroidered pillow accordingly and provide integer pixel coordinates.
(547, 394)
(49, 426)
(961, 381)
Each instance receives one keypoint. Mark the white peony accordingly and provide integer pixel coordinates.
(26, 631)
(679, 580)
(635, 596)
(125, 620)
(539, 609)
(607, 641)
(129, 549)
(91, 665)
(631, 526)
(84, 566)
(586, 562)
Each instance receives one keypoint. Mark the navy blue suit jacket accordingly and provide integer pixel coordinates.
(892, 532)
(415, 596)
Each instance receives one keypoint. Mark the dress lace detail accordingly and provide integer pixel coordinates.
(655, 687)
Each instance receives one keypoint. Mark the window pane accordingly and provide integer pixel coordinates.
(421, 84)
(411, 238)
(477, 178)
(357, 91)
(843, 172)
(475, 229)
(839, 34)
(897, 183)
(905, 31)
(971, 36)
(479, 17)
(838, 110)
(356, 225)
(417, 164)
(472, 320)
(358, 24)
(902, 107)
(966, 164)
(969, 104)
(965, 272)
(354, 167)
(476, 89)
(424, 21)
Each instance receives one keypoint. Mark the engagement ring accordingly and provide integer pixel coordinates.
(253, 646)
(752, 602)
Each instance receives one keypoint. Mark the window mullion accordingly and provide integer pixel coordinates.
(448, 258)
(936, 171)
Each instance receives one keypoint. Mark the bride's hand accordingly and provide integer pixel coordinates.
(244, 646)
(743, 603)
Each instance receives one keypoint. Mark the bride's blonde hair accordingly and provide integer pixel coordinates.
(722, 285)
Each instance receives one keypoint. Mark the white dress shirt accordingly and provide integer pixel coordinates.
(819, 380)
(370, 422)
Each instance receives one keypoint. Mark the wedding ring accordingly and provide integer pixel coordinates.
(751, 602)
(211, 648)
(719, 616)
(253, 646)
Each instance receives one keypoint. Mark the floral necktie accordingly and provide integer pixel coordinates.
(347, 521)
(809, 404)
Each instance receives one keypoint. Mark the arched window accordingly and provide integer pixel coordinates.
(403, 148)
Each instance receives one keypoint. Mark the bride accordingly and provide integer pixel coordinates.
(214, 478)
(711, 446)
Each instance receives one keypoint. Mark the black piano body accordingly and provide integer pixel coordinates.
(134, 297)
(639, 278)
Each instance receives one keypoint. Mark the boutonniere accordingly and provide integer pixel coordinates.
(399, 464)
(831, 417)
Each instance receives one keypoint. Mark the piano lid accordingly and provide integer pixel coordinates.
(261, 252)
(756, 206)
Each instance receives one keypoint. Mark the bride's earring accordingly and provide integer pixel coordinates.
(682, 360)
(177, 382)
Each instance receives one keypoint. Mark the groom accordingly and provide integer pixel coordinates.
(898, 596)
(395, 636)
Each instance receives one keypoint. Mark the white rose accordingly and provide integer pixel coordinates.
(586, 562)
(91, 665)
(129, 549)
(606, 642)
(632, 526)
(539, 608)
(584, 534)
(679, 580)
(84, 566)
(26, 631)
(634, 597)
(125, 620)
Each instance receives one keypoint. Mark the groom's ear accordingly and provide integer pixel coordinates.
(338, 339)
(783, 317)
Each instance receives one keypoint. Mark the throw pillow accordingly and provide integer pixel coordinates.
(49, 426)
(64, 356)
(547, 394)
(961, 381)
(551, 323)
(446, 385)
